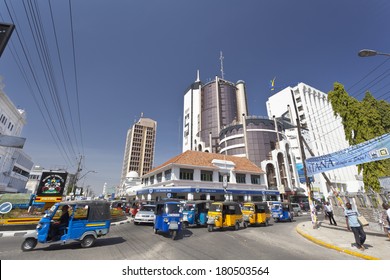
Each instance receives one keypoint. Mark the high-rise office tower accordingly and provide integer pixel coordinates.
(208, 108)
(139, 149)
(323, 131)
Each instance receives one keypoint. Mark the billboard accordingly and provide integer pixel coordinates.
(52, 183)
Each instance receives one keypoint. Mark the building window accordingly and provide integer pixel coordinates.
(240, 178)
(206, 175)
(159, 177)
(186, 174)
(151, 180)
(255, 179)
(168, 175)
(221, 177)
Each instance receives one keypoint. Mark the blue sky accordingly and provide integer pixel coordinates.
(133, 57)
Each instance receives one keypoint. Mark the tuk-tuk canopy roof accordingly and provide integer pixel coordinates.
(198, 201)
(226, 202)
(168, 202)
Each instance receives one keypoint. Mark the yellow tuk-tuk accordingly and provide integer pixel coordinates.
(224, 214)
(256, 213)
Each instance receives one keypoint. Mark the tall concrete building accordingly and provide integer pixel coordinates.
(15, 164)
(139, 149)
(208, 108)
(323, 132)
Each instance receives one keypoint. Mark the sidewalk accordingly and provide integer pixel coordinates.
(339, 238)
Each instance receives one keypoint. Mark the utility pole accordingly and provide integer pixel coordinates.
(313, 212)
(328, 182)
(76, 177)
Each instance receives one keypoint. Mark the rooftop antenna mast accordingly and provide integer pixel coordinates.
(221, 58)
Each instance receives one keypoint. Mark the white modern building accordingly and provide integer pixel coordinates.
(322, 130)
(15, 165)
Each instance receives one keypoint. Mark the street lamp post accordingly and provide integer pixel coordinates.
(367, 52)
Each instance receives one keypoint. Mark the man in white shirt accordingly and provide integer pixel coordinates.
(329, 213)
(353, 224)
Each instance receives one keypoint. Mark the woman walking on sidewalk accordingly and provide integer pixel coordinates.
(353, 224)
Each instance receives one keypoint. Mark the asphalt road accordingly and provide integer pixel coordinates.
(279, 241)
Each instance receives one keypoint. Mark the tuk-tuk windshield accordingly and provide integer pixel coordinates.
(247, 208)
(276, 206)
(172, 208)
(51, 211)
(215, 208)
(189, 207)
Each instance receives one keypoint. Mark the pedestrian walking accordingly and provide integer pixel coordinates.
(351, 217)
(329, 213)
(386, 218)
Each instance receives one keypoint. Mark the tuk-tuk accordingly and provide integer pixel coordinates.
(168, 217)
(195, 212)
(282, 211)
(224, 214)
(87, 221)
(256, 213)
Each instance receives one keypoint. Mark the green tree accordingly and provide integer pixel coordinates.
(363, 120)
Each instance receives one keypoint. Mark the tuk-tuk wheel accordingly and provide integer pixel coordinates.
(210, 228)
(88, 241)
(155, 230)
(173, 234)
(245, 224)
(29, 244)
(237, 226)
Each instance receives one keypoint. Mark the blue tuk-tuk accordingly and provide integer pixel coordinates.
(282, 211)
(87, 221)
(168, 217)
(195, 213)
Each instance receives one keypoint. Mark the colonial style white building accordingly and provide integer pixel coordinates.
(207, 176)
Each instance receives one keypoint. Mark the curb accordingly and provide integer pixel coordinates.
(128, 220)
(330, 246)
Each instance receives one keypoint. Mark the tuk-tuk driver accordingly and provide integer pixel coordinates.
(62, 223)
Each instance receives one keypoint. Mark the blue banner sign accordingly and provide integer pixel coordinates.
(301, 174)
(372, 150)
(209, 190)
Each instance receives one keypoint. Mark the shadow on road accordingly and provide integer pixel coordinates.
(76, 245)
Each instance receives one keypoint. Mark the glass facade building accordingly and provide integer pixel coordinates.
(255, 141)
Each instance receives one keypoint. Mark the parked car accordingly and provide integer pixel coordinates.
(296, 209)
(145, 214)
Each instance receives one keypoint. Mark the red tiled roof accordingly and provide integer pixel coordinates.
(202, 159)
